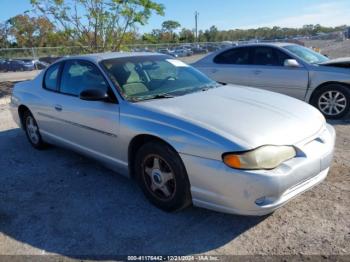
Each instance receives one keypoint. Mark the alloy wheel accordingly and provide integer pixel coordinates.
(159, 177)
(32, 130)
(332, 103)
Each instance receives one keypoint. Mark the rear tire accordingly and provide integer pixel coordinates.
(332, 100)
(162, 176)
(32, 131)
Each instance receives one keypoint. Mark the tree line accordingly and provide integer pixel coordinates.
(111, 24)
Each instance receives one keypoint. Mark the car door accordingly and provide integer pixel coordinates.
(268, 72)
(230, 66)
(45, 110)
(89, 126)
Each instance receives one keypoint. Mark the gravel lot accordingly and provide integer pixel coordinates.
(17, 76)
(331, 48)
(58, 202)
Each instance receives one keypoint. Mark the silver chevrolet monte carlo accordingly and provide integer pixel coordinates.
(185, 138)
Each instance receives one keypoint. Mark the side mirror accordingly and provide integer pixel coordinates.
(93, 95)
(291, 63)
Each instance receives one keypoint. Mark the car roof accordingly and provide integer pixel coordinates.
(271, 44)
(278, 44)
(108, 55)
(211, 56)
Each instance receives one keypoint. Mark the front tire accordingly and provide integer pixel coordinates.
(332, 100)
(162, 176)
(32, 131)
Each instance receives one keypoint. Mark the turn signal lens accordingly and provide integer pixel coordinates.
(265, 157)
(232, 161)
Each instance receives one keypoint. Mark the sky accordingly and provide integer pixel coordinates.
(232, 14)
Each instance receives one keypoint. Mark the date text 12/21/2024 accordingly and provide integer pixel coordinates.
(173, 258)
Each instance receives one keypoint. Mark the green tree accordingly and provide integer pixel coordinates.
(169, 27)
(30, 31)
(186, 35)
(4, 35)
(99, 24)
(212, 34)
(154, 37)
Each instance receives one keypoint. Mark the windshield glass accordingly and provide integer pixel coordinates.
(306, 54)
(147, 77)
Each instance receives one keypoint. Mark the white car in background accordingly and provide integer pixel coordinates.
(285, 68)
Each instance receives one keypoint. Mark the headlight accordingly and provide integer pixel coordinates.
(265, 157)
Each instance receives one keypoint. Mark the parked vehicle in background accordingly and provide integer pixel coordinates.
(39, 65)
(286, 68)
(184, 137)
(166, 51)
(13, 65)
(197, 49)
(17, 65)
(49, 59)
(2, 65)
(347, 32)
(182, 52)
(212, 47)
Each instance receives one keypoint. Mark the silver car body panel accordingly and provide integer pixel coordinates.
(337, 61)
(200, 127)
(299, 82)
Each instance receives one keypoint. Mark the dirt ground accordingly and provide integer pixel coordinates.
(57, 202)
(331, 48)
(17, 76)
(5, 89)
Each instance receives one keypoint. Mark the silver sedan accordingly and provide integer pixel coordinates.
(285, 68)
(183, 137)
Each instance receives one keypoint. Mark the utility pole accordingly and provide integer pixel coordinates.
(196, 14)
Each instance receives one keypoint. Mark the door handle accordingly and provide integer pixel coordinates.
(58, 107)
(257, 72)
(214, 71)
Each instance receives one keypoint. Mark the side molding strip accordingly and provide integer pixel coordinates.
(78, 125)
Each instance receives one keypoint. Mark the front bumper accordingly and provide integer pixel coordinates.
(216, 186)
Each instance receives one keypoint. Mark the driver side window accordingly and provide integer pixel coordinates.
(78, 76)
(268, 56)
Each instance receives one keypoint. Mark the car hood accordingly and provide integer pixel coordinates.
(339, 62)
(247, 116)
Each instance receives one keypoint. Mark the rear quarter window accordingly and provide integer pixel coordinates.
(51, 77)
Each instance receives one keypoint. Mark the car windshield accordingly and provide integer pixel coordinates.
(152, 77)
(306, 54)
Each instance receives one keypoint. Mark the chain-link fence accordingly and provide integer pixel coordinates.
(24, 59)
(38, 52)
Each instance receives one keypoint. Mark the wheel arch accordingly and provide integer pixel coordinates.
(324, 85)
(21, 110)
(136, 143)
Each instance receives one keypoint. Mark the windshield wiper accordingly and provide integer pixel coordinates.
(168, 95)
(158, 96)
(191, 89)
